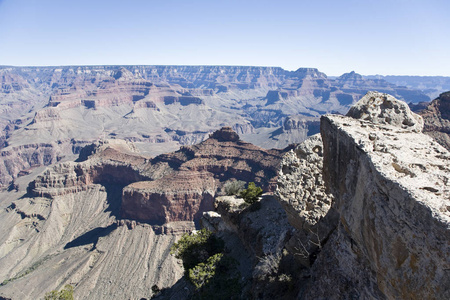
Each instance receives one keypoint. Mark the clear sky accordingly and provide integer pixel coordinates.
(388, 37)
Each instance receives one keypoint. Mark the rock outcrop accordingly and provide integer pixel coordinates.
(256, 236)
(301, 192)
(384, 109)
(389, 210)
(437, 119)
(391, 193)
(182, 197)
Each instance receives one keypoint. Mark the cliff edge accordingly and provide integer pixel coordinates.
(388, 225)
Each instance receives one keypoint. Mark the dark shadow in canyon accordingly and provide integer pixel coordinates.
(91, 237)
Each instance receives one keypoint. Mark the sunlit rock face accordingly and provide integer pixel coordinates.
(391, 191)
(390, 208)
(437, 119)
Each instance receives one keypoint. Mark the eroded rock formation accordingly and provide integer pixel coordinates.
(172, 187)
(301, 192)
(114, 208)
(437, 119)
(391, 197)
(154, 106)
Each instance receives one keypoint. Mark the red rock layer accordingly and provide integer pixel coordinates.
(178, 186)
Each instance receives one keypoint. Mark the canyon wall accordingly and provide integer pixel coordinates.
(155, 106)
(436, 116)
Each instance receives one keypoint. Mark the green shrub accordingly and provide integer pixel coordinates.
(196, 248)
(65, 294)
(252, 193)
(203, 272)
(212, 272)
(218, 278)
(233, 187)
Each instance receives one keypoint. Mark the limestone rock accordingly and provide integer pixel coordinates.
(263, 227)
(301, 192)
(389, 219)
(392, 194)
(385, 109)
(300, 187)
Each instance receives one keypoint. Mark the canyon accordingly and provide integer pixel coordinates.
(50, 113)
(85, 222)
(105, 167)
(360, 210)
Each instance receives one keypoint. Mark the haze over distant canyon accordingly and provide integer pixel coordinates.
(48, 113)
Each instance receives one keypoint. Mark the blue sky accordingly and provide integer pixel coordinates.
(395, 37)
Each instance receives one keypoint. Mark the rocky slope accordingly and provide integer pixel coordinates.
(387, 228)
(437, 119)
(86, 222)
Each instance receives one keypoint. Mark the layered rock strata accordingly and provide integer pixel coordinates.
(182, 197)
(156, 105)
(105, 223)
(190, 177)
(172, 187)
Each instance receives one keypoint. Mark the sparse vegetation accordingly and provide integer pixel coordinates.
(155, 289)
(277, 276)
(252, 193)
(26, 272)
(202, 273)
(65, 294)
(233, 187)
(303, 251)
(196, 248)
(212, 272)
(267, 266)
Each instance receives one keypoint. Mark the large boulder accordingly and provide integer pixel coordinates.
(385, 109)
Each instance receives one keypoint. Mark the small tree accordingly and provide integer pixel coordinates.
(193, 249)
(203, 272)
(252, 193)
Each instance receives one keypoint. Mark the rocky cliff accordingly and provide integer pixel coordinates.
(378, 225)
(437, 119)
